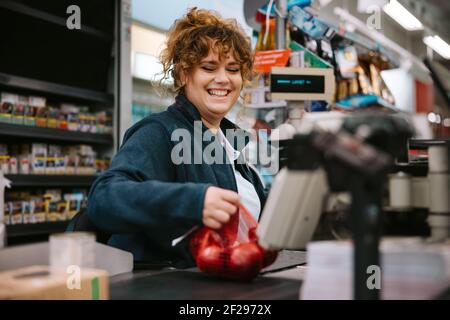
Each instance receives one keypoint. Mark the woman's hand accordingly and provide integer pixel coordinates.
(218, 206)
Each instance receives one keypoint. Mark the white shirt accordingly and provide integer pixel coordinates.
(246, 190)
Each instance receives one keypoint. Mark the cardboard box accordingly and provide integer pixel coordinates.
(46, 283)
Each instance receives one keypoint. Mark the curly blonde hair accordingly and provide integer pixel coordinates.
(191, 38)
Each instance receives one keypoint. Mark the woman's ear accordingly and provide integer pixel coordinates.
(183, 78)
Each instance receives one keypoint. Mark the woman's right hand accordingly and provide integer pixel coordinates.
(218, 206)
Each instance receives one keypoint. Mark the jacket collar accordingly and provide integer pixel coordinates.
(238, 140)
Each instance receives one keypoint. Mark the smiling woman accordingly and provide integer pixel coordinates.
(151, 203)
(209, 58)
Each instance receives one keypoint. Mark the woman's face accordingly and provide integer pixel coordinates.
(213, 86)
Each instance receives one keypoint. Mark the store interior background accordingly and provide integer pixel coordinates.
(90, 59)
(150, 24)
(95, 83)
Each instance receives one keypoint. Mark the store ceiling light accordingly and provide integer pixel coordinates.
(400, 14)
(437, 44)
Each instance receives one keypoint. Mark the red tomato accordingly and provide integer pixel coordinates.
(245, 262)
(201, 238)
(210, 259)
(269, 257)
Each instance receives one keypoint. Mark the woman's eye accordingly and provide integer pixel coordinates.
(207, 68)
(234, 70)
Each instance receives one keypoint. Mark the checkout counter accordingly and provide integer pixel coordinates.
(356, 165)
(190, 284)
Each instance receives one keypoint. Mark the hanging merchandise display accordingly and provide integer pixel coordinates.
(358, 67)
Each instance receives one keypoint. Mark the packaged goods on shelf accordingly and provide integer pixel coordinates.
(52, 117)
(16, 212)
(50, 206)
(54, 206)
(7, 213)
(38, 158)
(101, 118)
(34, 103)
(4, 158)
(7, 102)
(39, 213)
(55, 163)
(24, 159)
(72, 116)
(87, 157)
(71, 158)
(14, 159)
(18, 111)
(73, 204)
(41, 116)
(27, 211)
(109, 123)
(34, 111)
(51, 159)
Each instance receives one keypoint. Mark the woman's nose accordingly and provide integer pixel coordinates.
(221, 76)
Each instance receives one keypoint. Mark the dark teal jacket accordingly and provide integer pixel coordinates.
(145, 200)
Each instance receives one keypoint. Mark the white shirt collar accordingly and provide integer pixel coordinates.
(232, 153)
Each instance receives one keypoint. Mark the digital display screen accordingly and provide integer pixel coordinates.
(295, 83)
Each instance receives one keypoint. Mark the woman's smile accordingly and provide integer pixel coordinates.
(213, 86)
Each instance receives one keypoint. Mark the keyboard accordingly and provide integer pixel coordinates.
(286, 259)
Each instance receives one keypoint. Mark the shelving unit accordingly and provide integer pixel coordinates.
(24, 233)
(51, 18)
(50, 181)
(62, 91)
(25, 133)
(84, 67)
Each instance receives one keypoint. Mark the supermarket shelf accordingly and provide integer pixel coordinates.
(44, 16)
(35, 229)
(51, 181)
(47, 134)
(421, 144)
(42, 87)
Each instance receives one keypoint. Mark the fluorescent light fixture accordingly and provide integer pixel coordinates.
(437, 44)
(400, 14)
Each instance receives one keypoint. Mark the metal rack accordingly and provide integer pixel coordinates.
(42, 71)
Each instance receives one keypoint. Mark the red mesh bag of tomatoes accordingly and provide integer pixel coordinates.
(233, 251)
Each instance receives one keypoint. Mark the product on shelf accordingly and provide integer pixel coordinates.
(7, 213)
(7, 102)
(74, 204)
(53, 115)
(18, 111)
(30, 110)
(24, 159)
(4, 158)
(41, 116)
(52, 199)
(14, 159)
(38, 158)
(71, 112)
(50, 206)
(87, 157)
(39, 214)
(34, 111)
